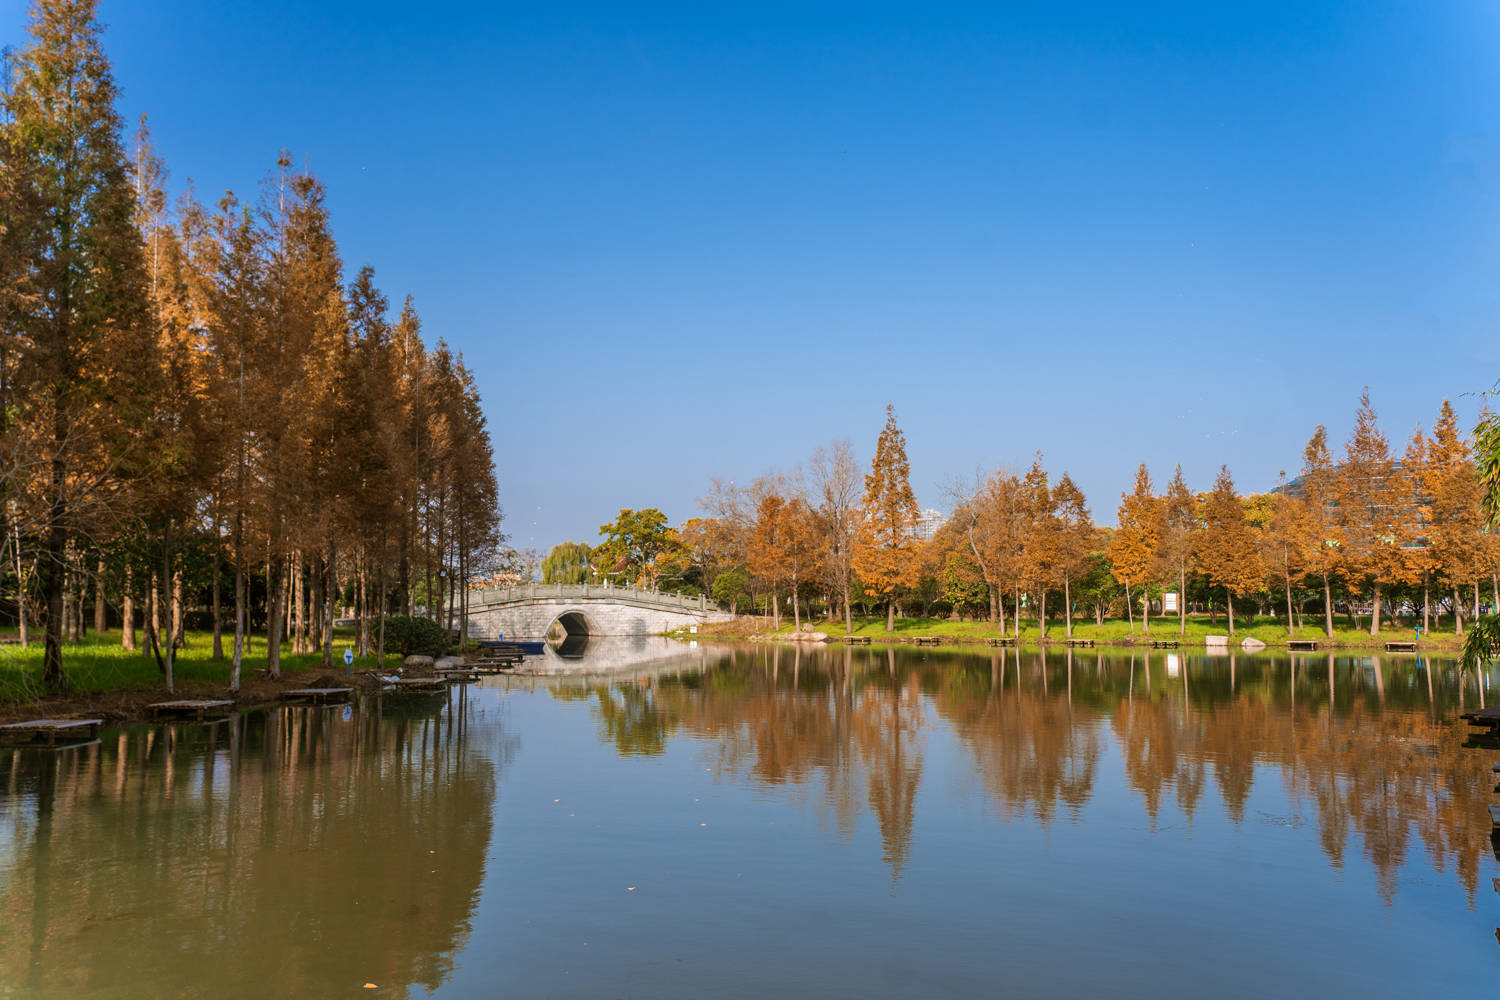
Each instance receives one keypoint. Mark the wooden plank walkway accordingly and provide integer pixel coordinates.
(857, 640)
(1400, 647)
(195, 707)
(1302, 645)
(318, 696)
(1487, 717)
(1165, 643)
(1080, 642)
(926, 640)
(48, 730)
(460, 675)
(1000, 640)
(415, 684)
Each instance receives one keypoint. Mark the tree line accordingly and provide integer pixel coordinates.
(196, 410)
(1367, 530)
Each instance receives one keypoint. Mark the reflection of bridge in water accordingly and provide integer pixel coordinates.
(588, 656)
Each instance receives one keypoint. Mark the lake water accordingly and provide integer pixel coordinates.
(767, 822)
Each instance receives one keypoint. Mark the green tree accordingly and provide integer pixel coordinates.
(633, 542)
(568, 562)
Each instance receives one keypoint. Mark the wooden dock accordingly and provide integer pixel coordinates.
(458, 675)
(857, 640)
(46, 731)
(416, 685)
(318, 696)
(1000, 640)
(926, 640)
(1489, 718)
(197, 708)
(1401, 647)
(1302, 645)
(1079, 642)
(1495, 815)
(1165, 643)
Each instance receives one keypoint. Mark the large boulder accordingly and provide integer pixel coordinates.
(808, 637)
(416, 661)
(1252, 645)
(448, 661)
(1216, 640)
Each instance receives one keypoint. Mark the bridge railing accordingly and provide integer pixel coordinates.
(589, 591)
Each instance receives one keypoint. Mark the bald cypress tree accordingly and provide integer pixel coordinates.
(87, 329)
(886, 551)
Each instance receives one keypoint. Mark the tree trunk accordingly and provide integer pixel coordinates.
(274, 613)
(101, 622)
(1018, 616)
(179, 633)
(1426, 603)
(796, 609)
(1327, 607)
(1229, 599)
(1041, 614)
(848, 610)
(330, 587)
(299, 605)
(1375, 617)
(218, 596)
(994, 604)
(153, 610)
(239, 622)
(890, 614)
(1068, 606)
(1458, 612)
(1291, 622)
(170, 573)
(362, 607)
(1146, 610)
(1181, 600)
(127, 611)
(1129, 607)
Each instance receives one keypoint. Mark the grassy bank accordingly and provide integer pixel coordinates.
(1270, 631)
(97, 664)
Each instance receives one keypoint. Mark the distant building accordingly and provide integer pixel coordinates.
(929, 522)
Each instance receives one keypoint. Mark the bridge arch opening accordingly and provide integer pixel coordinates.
(569, 634)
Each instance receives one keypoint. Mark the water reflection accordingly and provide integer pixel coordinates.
(256, 856)
(1367, 748)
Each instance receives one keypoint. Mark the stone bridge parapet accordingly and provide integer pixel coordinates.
(528, 610)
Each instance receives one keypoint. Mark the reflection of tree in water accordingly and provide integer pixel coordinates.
(1354, 739)
(276, 854)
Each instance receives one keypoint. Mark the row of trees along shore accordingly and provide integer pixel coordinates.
(1366, 530)
(196, 411)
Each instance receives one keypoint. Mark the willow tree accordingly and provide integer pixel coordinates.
(886, 551)
(79, 384)
(568, 562)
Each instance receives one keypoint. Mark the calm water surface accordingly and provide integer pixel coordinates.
(759, 821)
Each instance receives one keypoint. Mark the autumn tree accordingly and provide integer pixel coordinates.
(1133, 551)
(1075, 539)
(769, 549)
(1178, 517)
(886, 550)
(834, 479)
(1283, 522)
(1041, 552)
(1369, 506)
(79, 385)
(1226, 548)
(1324, 527)
(1453, 486)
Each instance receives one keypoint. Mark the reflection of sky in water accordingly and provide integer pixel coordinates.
(777, 821)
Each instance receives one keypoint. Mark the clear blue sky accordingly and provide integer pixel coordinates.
(676, 241)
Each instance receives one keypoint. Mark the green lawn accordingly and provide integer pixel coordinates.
(1268, 630)
(97, 663)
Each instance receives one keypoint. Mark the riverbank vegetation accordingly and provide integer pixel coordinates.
(1351, 546)
(201, 425)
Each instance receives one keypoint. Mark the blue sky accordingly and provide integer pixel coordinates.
(684, 241)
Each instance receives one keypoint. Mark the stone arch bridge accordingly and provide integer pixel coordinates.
(583, 609)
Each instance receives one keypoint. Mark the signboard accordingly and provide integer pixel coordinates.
(348, 657)
(1169, 601)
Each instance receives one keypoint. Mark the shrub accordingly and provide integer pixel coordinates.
(409, 635)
